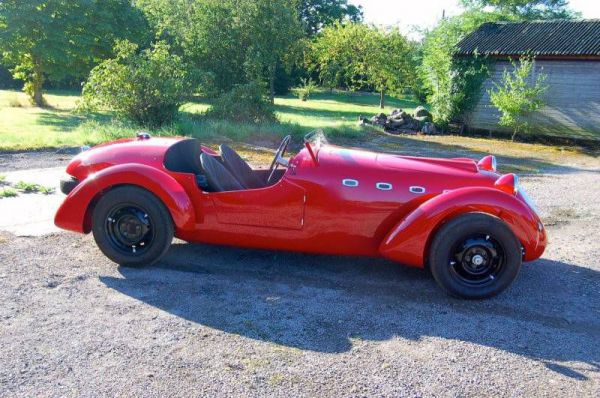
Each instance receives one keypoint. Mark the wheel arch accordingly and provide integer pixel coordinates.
(75, 212)
(409, 240)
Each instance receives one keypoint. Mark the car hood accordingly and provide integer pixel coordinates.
(149, 151)
(343, 157)
(396, 169)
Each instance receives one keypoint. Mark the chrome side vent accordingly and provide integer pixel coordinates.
(416, 189)
(384, 186)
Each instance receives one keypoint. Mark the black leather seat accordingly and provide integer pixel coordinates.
(218, 177)
(240, 169)
(184, 157)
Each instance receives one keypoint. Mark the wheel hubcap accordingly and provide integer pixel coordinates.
(477, 260)
(129, 229)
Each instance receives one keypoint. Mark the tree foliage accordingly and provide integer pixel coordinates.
(271, 27)
(528, 9)
(518, 95)
(207, 34)
(244, 103)
(358, 56)
(453, 84)
(145, 86)
(53, 39)
(317, 14)
(228, 42)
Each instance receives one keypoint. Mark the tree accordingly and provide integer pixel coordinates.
(207, 34)
(388, 62)
(271, 27)
(147, 87)
(228, 42)
(517, 96)
(529, 9)
(333, 52)
(453, 83)
(53, 39)
(358, 56)
(317, 14)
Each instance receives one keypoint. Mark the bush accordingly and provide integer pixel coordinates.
(517, 96)
(245, 103)
(306, 89)
(147, 87)
(453, 85)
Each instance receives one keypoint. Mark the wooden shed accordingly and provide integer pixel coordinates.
(567, 52)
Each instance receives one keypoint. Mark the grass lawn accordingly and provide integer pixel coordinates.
(25, 127)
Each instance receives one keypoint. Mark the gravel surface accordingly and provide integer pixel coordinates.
(12, 161)
(217, 321)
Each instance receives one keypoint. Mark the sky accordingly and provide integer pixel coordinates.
(408, 14)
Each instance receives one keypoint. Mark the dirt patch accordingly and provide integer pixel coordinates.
(560, 216)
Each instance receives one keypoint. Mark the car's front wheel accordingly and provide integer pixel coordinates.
(131, 226)
(475, 256)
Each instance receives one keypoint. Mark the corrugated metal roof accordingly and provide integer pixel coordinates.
(540, 38)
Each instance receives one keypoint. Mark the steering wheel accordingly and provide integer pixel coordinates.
(279, 160)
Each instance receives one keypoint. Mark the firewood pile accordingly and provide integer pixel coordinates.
(400, 121)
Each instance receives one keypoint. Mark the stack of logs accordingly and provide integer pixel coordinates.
(401, 122)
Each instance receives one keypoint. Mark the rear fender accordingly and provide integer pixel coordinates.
(408, 241)
(74, 213)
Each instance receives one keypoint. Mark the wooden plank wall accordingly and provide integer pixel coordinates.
(572, 100)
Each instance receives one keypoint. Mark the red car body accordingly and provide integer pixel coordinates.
(330, 200)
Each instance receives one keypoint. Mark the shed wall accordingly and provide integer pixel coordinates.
(572, 100)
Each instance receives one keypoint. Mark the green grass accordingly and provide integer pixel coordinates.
(8, 193)
(24, 127)
(30, 187)
(8, 190)
(27, 127)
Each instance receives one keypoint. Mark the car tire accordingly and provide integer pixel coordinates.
(475, 256)
(132, 227)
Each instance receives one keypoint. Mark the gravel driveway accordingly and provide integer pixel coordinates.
(218, 321)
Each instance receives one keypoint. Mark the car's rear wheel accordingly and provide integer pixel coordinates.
(475, 256)
(131, 226)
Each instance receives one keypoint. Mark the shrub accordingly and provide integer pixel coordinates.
(30, 187)
(8, 193)
(147, 87)
(517, 96)
(306, 89)
(245, 103)
(453, 84)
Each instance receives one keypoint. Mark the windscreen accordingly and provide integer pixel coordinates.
(316, 139)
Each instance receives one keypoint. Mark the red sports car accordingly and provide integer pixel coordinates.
(471, 226)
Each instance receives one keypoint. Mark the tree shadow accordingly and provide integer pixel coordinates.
(360, 98)
(63, 120)
(325, 303)
(320, 113)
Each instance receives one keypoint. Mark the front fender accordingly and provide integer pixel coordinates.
(409, 240)
(73, 214)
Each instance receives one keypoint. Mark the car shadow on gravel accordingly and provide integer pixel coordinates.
(328, 303)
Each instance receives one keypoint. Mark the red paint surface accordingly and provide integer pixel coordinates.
(309, 209)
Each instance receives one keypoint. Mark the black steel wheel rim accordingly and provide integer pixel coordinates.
(477, 260)
(129, 229)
